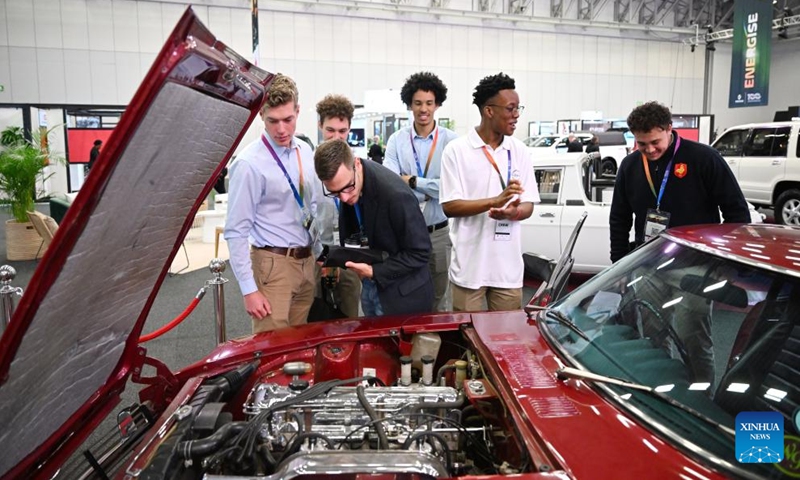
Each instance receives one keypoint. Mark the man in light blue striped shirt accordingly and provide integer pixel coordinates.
(274, 193)
(415, 153)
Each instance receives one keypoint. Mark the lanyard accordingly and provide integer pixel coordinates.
(357, 207)
(666, 173)
(430, 154)
(496, 169)
(298, 196)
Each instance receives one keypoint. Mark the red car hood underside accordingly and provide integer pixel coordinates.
(71, 343)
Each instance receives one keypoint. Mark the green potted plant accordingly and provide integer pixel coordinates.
(22, 164)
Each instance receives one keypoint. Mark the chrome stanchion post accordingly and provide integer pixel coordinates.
(217, 266)
(7, 292)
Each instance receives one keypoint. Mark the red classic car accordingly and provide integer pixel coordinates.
(639, 373)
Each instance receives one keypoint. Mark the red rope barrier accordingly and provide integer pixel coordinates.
(177, 320)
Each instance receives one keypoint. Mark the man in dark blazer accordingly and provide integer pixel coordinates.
(378, 209)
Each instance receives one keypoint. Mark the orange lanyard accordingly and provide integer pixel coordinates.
(300, 168)
(496, 169)
(430, 154)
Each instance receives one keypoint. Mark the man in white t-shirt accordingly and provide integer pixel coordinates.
(487, 187)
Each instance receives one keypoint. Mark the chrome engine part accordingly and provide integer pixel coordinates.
(340, 416)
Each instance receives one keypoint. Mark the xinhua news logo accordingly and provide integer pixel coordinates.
(759, 437)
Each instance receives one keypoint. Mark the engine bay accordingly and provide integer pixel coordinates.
(423, 407)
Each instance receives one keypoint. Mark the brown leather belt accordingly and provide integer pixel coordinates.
(438, 226)
(294, 252)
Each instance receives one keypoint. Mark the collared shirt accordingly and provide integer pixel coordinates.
(399, 158)
(479, 260)
(262, 209)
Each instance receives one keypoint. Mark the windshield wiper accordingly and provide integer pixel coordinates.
(564, 320)
(569, 372)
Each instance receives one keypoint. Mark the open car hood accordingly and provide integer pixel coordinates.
(70, 346)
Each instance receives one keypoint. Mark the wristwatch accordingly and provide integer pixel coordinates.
(412, 182)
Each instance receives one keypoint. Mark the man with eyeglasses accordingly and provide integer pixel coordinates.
(379, 211)
(415, 153)
(488, 187)
(270, 226)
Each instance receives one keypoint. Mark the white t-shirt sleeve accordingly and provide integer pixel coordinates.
(450, 181)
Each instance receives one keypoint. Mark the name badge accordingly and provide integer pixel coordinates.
(502, 231)
(307, 219)
(655, 223)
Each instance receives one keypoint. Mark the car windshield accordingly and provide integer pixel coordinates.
(715, 334)
(544, 141)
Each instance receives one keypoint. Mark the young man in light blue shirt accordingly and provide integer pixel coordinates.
(272, 205)
(415, 153)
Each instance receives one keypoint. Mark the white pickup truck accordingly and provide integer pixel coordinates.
(568, 186)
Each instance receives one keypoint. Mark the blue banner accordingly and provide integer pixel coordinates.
(752, 42)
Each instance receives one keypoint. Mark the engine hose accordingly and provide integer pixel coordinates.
(383, 439)
(207, 446)
(177, 320)
(434, 405)
(439, 438)
(301, 437)
(442, 369)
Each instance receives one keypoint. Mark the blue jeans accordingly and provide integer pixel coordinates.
(370, 302)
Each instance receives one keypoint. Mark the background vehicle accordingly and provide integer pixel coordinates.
(613, 147)
(570, 185)
(765, 159)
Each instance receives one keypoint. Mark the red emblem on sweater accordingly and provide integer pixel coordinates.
(680, 170)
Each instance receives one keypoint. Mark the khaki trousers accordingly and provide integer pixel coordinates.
(288, 284)
(497, 299)
(439, 263)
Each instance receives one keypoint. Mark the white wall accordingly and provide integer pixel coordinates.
(783, 85)
(97, 51)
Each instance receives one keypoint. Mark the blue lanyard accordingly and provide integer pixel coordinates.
(508, 175)
(666, 173)
(420, 173)
(297, 196)
(358, 217)
(336, 202)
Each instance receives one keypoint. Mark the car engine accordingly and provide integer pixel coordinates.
(348, 408)
(343, 416)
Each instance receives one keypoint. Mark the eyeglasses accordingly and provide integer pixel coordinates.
(511, 109)
(347, 189)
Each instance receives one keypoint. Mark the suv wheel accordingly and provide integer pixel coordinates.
(608, 166)
(787, 208)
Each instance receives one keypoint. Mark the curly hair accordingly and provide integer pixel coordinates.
(335, 106)
(491, 86)
(427, 82)
(649, 116)
(282, 91)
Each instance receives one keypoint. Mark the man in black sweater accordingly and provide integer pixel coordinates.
(670, 182)
(699, 184)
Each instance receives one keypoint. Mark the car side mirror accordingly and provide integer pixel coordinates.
(714, 289)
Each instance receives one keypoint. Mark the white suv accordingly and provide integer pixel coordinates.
(765, 160)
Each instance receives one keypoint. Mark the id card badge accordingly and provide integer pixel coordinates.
(655, 223)
(502, 231)
(422, 205)
(307, 219)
